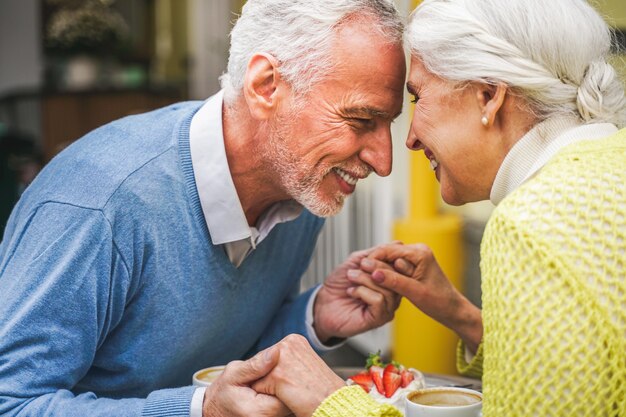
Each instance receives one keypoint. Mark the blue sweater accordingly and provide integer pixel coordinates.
(111, 292)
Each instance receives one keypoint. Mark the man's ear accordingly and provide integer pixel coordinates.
(260, 86)
(490, 100)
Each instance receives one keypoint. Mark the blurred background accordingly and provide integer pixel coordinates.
(69, 66)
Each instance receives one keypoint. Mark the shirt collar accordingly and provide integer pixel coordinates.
(220, 203)
(537, 147)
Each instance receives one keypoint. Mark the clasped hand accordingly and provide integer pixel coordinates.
(290, 377)
(286, 379)
(362, 293)
(350, 302)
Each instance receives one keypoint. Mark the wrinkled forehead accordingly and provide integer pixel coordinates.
(366, 73)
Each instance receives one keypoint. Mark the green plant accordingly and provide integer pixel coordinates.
(85, 27)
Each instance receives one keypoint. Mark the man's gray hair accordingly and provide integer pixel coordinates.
(299, 34)
(552, 52)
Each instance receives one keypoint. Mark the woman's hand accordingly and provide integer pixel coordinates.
(417, 276)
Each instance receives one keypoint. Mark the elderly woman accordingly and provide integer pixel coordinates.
(515, 102)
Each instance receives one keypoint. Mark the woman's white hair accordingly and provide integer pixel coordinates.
(299, 34)
(552, 52)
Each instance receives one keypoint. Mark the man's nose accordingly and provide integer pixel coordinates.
(377, 152)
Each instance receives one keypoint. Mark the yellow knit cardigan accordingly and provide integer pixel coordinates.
(554, 293)
(553, 261)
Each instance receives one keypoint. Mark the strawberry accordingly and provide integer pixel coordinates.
(391, 380)
(364, 380)
(406, 377)
(377, 376)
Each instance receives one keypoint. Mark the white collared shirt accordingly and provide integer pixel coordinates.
(222, 208)
(220, 203)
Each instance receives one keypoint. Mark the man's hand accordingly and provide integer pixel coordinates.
(418, 277)
(301, 379)
(343, 308)
(231, 396)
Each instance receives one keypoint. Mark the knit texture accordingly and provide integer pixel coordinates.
(111, 291)
(169, 403)
(352, 401)
(554, 294)
(472, 369)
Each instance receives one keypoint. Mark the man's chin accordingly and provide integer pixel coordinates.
(322, 208)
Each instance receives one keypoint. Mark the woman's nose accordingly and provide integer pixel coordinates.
(413, 143)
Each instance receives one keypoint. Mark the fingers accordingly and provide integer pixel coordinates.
(415, 254)
(358, 277)
(266, 384)
(291, 343)
(301, 379)
(381, 308)
(243, 373)
(272, 407)
(404, 267)
(358, 255)
(401, 265)
(366, 252)
(396, 282)
(231, 394)
(383, 301)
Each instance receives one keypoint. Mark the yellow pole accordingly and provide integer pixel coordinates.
(419, 341)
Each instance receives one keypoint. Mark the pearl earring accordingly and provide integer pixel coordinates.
(484, 121)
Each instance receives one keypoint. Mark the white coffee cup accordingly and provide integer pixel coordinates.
(444, 401)
(204, 377)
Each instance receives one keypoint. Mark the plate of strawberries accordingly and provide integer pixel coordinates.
(387, 382)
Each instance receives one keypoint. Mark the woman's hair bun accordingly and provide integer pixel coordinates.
(600, 96)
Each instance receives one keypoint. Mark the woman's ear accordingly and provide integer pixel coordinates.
(490, 100)
(261, 85)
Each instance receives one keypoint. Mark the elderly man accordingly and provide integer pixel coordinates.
(174, 240)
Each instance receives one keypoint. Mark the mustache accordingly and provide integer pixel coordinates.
(359, 170)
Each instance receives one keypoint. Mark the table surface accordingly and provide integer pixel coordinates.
(432, 380)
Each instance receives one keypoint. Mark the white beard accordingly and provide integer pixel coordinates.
(299, 181)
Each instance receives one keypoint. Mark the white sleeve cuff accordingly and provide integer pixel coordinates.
(310, 331)
(469, 356)
(197, 401)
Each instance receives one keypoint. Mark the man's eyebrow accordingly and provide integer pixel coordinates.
(359, 111)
